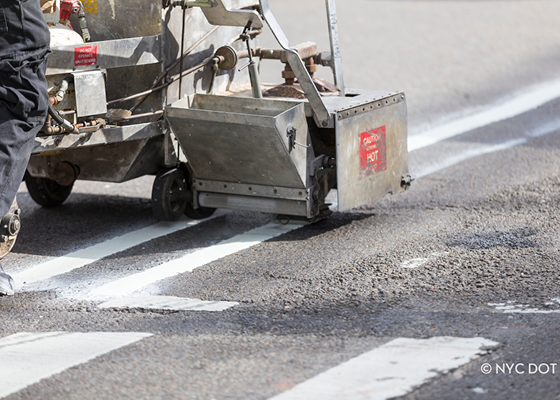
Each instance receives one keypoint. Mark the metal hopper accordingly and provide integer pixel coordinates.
(242, 148)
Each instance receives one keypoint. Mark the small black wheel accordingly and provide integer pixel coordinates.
(46, 192)
(198, 213)
(169, 195)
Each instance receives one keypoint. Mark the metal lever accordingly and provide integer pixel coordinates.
(335, 46)
(253, 69)
(321, 114)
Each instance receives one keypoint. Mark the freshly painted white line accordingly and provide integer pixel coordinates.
(545, 129)
(391, 370)
(456, 159)
(80, 258)
(132, 283)
(516, 106)
(414, 263)
(29, 357)
(168, 303)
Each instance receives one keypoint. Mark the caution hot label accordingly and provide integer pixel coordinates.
(86, 55)
(373, 151)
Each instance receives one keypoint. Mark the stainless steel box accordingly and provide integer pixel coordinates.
(371, 148)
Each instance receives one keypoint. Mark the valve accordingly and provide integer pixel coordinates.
(71, 7)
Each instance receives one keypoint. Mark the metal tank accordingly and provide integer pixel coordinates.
(213, 135)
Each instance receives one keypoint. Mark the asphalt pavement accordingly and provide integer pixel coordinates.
(447, 291)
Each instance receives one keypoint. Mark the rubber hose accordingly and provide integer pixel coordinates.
(61, 121)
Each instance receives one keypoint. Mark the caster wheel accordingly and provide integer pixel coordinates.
(169, 195)
(198, 213)
(46, 192)
(9, 229)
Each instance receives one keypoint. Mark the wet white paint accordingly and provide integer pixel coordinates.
(520, 104)
(167, 303)
(80, 258)
(391, 370)
(414, 263)
(28, 358)
(127, 285)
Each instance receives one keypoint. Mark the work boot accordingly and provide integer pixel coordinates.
(6, 284)
(9, 229)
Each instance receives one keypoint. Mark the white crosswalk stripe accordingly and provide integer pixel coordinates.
(132, 283)
(32, 278)
(83, 257)
(391, 370)
(29, 357)
(114, 291)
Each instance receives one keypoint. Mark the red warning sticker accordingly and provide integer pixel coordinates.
(86, 55)
(373, 152)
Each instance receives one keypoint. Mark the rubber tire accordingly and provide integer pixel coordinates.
(169, 195)
(198, 213)
(46, 192)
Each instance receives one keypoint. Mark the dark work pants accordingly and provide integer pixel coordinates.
(24, 47)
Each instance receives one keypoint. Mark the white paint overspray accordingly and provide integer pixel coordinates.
(511, 308)
(414, 263)
(112, 3)
(167, 303)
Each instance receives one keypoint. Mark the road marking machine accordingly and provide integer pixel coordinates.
(172, 89)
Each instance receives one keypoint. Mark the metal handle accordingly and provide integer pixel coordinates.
(335, 46)
(320, 112)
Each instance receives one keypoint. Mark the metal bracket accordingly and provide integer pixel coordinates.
(200, 3)
(321, 114)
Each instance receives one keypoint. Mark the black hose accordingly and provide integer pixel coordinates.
(61, 121)
(83, 23)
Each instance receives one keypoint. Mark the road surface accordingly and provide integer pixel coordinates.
(449, 290)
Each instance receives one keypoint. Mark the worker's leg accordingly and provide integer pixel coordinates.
(24, 46)
(23, 109)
